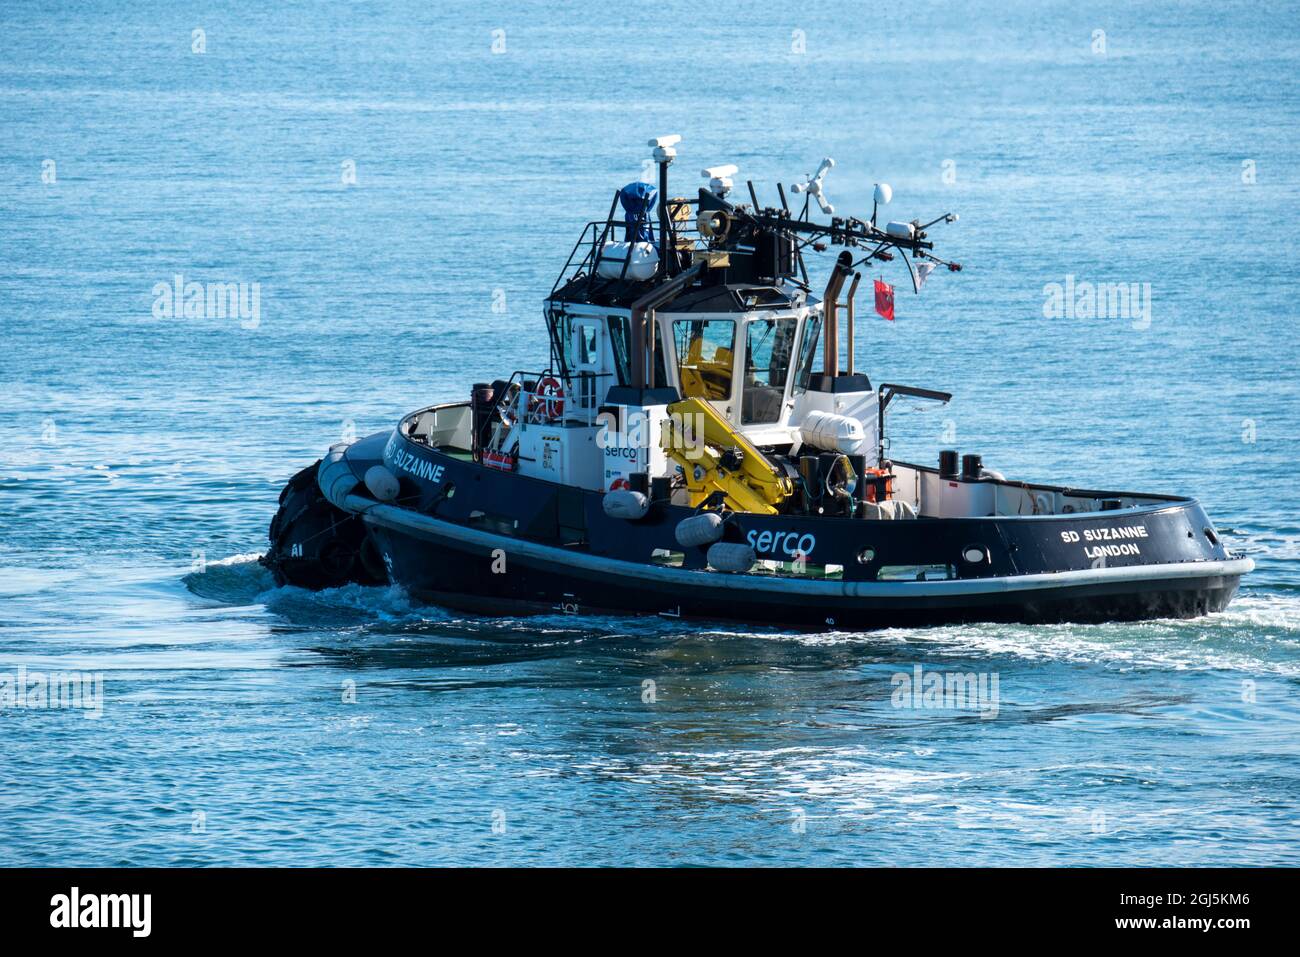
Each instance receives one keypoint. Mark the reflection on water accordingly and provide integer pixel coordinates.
(382, 731)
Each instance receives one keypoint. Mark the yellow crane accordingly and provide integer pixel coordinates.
(716, 458)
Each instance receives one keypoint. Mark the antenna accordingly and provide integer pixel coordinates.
(719, 178)
(884, 195)
(813, 186)
(664, 154)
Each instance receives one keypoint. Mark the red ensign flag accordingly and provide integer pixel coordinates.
(885, 300)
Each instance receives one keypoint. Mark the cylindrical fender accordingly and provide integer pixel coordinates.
(702, 529)
(381, 483)
(335, 476)
(731, 557)
(626, 504)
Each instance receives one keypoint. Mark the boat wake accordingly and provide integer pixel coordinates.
(1258, 634)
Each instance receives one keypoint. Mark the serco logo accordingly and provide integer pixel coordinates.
(793, 544)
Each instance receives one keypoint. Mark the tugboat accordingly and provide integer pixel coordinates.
(699, 445)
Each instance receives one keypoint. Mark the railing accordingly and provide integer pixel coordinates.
(579, 401)
(593, 237)
(591, 242)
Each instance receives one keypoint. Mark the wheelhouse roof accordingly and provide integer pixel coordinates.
(712, 298)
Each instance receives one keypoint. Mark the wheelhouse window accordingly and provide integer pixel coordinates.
(588, 345)
(769, 348)
(705, 351)
(807, 353)
(620, 337)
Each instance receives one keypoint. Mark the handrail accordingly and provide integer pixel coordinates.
(582, 238)
(537, 399)
(885, 395)
(596, 232)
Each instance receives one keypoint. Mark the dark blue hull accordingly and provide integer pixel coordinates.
(494, 577)
(492, 542)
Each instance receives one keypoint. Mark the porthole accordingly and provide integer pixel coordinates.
(975, 554)
(1209, 534)
(866, 556)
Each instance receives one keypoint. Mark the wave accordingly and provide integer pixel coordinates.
(236, 580)
(1259, 633)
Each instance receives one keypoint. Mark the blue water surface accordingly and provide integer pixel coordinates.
(141, 455)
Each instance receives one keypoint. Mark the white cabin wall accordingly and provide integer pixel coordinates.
(600, 361)
(636, 448)
(862, 406)
(563, 453)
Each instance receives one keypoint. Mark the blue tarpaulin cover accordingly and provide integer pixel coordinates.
(638, 199)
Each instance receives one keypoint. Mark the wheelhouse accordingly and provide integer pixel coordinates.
(748, 355)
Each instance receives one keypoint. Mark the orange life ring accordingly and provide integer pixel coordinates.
(552, 394)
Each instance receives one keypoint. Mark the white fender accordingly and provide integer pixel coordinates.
(335, 476)
(731, 557)
(626, 504)
(702, 529)
(381, 483)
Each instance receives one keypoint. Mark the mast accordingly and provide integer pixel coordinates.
(642, 335)
(664, 154)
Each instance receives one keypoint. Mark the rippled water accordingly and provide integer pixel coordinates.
(141, 457)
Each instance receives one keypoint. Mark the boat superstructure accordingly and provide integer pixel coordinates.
(702, 442)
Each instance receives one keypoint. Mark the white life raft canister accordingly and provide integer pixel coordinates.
(644, 264)
(832, 432)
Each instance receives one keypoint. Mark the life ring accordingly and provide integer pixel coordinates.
(535, 407)
(551, 395)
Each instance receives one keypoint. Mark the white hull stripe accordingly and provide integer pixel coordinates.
(423, 525)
